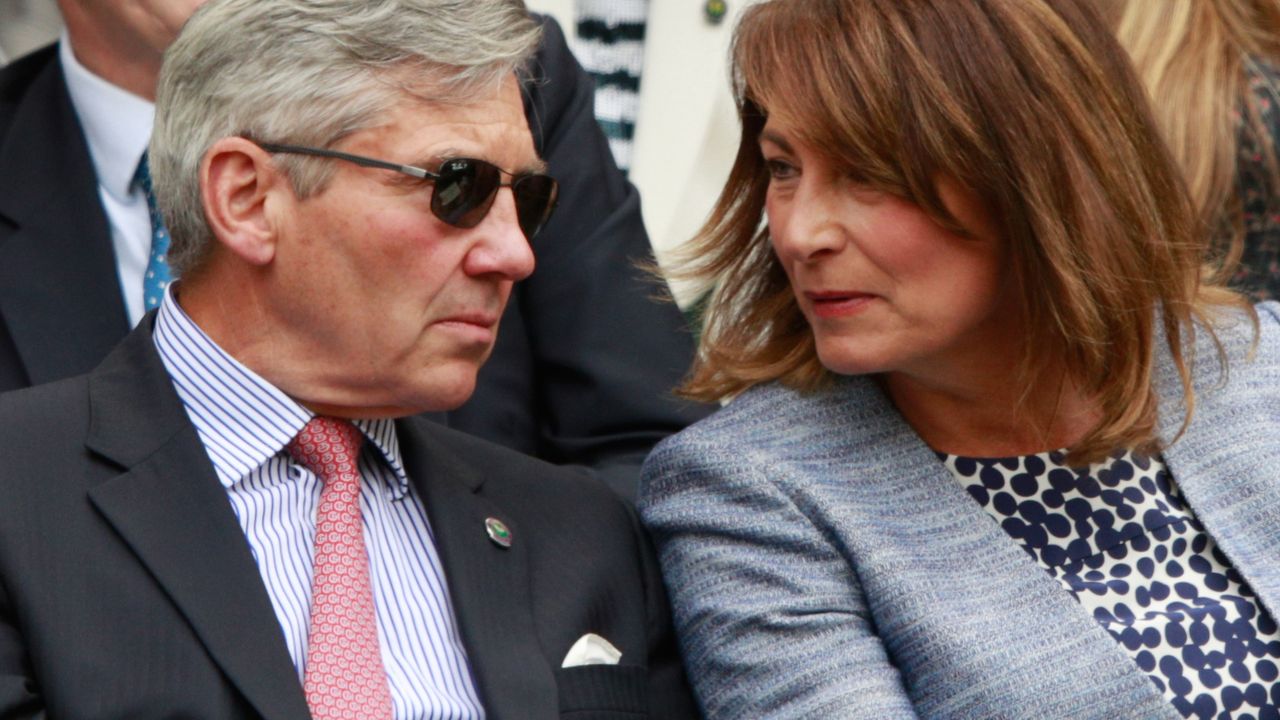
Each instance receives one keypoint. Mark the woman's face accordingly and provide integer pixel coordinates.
(885, 288)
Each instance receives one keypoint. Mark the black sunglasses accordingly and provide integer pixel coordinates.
(464, 187)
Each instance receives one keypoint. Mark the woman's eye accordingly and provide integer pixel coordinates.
(780, 169)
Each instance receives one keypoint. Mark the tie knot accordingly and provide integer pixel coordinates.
(328, 447)
(142, 176)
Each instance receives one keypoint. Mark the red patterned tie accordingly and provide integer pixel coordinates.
(344, 675)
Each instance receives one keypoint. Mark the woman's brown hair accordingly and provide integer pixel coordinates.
(1030, 104)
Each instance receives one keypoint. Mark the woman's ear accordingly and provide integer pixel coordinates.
(240, 186)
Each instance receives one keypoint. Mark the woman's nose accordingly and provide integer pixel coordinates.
(814, 223)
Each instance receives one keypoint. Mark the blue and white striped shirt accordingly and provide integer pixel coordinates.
(245, 424)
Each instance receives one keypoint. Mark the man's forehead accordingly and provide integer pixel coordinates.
(490, 125)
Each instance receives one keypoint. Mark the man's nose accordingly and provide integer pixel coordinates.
(503, 249)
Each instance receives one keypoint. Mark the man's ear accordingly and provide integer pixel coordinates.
(241, 190)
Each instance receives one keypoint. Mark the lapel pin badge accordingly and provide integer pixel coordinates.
(498, 532)
(715, 10)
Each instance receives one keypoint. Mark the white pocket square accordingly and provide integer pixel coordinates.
(591, 649)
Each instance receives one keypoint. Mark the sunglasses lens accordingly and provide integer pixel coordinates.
(464, 191)
(535, 199)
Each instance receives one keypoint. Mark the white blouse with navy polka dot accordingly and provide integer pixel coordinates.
(1118, 536)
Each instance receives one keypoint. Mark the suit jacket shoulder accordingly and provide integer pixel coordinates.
(774, 426)
(42, 424)
(16, 78)
(118, 552)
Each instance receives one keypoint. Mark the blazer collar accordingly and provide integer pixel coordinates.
(947, 548)
(59, 289)
(170, 509)
(1225, 462)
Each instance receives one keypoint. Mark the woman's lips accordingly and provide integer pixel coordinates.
(838, 303)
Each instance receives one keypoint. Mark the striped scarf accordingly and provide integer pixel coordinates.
(611, 48)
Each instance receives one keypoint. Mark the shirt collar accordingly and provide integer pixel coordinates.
(117, 123)
(242, 419)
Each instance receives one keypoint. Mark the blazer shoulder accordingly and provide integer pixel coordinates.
(43, 422)
(768, 425)
(506, 472)
(1251, 352)
(775, 418)
(17, 78)
(48, 403)
(1268, 338)
(774, 441)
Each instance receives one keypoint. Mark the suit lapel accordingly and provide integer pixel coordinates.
(985, 593)
(489, 584)
(173, 513)
(1229, 478)
(59, 289)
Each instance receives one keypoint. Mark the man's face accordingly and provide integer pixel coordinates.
(396, 309)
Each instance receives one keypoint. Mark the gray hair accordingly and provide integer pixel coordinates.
(310, 72)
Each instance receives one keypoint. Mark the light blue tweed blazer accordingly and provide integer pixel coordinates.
(824, 564)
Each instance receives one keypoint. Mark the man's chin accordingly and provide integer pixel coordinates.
(443, 391)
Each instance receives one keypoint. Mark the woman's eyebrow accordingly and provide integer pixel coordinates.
(774, 137)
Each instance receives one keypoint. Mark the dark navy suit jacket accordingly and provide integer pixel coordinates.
(127, 589)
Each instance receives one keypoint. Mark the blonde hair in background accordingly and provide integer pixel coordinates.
(1192, 57)
(1028, 103)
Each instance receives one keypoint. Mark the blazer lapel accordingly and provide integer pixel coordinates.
(59, 289)
(173, 513)
(975, 585)
(489, 584)
(1229, 478)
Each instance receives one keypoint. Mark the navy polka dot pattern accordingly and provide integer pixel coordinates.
(1120, 539)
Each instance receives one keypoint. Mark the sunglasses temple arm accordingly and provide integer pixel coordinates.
(357, 159)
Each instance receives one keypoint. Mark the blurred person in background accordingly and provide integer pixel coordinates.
(993, 449)
(662, 92)
(1212, 69)
(26, 25)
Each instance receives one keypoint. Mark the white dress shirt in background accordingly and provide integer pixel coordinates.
(117, 125)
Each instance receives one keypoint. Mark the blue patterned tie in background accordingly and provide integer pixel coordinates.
(157, 277)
